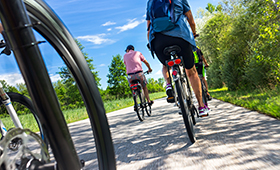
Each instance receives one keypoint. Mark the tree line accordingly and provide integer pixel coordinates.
(241, 40)
(68, 93)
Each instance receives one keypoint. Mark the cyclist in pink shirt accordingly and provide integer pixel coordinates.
(132, 60)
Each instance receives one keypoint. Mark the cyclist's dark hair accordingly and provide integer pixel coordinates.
(129, 47)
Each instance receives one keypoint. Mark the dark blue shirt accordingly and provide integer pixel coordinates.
(182, 28)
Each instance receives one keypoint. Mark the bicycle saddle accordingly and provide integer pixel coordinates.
(173, 48)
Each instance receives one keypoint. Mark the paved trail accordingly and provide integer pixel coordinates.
(230, 138)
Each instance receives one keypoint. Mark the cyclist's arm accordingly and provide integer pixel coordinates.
(191, 21)
(148, 65)
(1, 28)
(205, 62)
(148, 28)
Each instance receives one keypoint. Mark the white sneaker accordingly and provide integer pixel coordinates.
(202, 112)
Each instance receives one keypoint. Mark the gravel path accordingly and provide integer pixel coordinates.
(230, 138)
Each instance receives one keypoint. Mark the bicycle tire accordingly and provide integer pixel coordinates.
(193, 113)
(185, 111)
(40, 87)
(26, 102)
(146, 106)
(148, 109)
(139, 109)
(203, 92)
(188, 93)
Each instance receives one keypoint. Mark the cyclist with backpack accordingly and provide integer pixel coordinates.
(166, 22)
(200, 63)
(132, 60)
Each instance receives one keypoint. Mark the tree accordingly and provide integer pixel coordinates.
(67, 90)
(66, 75)
(155, 85)
(118, 84)
(7, 87)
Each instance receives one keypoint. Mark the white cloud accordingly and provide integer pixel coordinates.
(16, 78)
(55, 78)
(109, 23)
(130, 25)
(96, 39)
(158, 72)
(12, 79)
(109, 29)
(102, 65)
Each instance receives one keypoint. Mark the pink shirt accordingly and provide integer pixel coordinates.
(132, 61)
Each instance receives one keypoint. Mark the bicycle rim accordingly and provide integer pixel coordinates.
(187, 92)
(203, 92)
(55, 32)
(136, 107)
(185, 111)
(146, 105)
(193, 113)
(149, 110)
(140, 112)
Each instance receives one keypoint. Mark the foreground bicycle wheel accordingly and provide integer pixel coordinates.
(24, 105)
(34, 71)
(185, 110)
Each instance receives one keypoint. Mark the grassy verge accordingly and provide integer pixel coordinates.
(77, 114)
(123, 103)
(263, 100)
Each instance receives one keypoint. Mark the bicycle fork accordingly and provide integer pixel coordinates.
(7, 102)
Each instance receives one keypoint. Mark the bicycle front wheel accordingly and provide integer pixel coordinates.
(41, 90)
(185, 110)
(203, 92)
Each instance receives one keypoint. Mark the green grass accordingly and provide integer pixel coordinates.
(123, 103)
(77, 114)
(263, 100)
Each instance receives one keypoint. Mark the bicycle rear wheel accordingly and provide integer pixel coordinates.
(39, 85)
(185, 110)
(24, 105)
(138, 105)
(188, 93)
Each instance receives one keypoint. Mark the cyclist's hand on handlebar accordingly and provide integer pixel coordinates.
(195, 35)
(148, 46)
(150, 70)
(207, 65)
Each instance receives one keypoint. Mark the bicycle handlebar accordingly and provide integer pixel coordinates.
(146, 72)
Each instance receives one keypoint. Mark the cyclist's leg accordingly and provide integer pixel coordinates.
(205, 82)
(193, 76)
(143, 81)
(196, 85)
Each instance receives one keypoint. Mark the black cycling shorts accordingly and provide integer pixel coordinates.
(161, 41)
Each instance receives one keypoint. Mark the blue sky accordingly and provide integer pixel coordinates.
(104, 28)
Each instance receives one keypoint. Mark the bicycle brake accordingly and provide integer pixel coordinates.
(27, 154)
(6, 44)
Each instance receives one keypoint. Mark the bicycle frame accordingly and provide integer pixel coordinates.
(177, 67)
(7, 102)
(17, 26)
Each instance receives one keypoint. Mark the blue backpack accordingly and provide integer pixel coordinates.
(163, 18)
